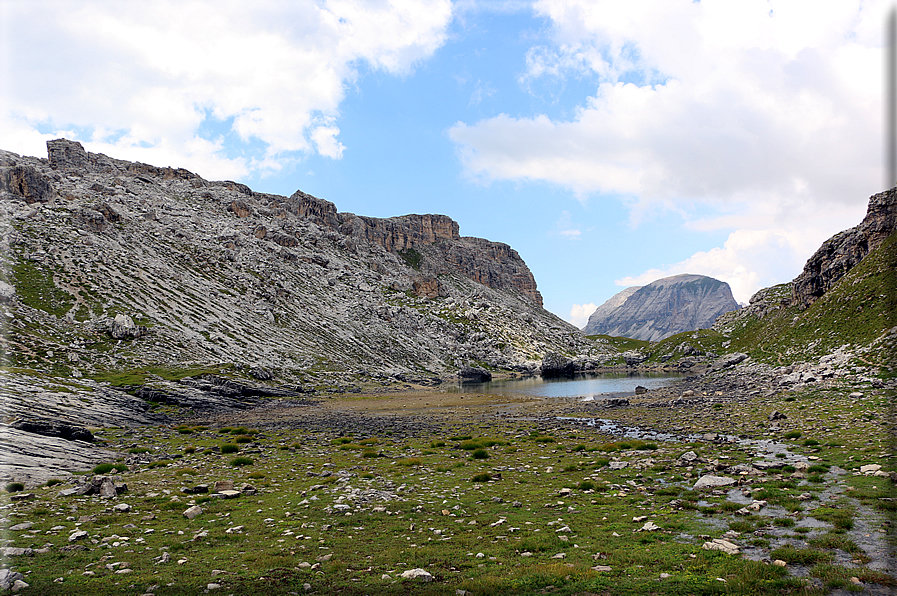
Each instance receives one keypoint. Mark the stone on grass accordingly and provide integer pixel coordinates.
(601, 568)
(79, 535)
(710, 481)
(649, 527)
(723, 545)
(193, 512)
(870, 468)
(417, 574)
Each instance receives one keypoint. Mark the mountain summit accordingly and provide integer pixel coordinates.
(663, 308)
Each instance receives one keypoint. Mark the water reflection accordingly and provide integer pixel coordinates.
(580, 386)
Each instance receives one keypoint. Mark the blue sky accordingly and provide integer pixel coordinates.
(609, 143)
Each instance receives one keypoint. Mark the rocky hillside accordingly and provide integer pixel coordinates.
(844, 302)
(112, 267)
(663, 308)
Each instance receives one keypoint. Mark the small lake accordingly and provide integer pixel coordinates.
(585, 387)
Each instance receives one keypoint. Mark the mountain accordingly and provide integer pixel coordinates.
(114, 267)
(663, 308)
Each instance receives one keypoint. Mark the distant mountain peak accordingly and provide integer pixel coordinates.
(663, 308)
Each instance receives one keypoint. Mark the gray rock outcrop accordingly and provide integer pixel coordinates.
(663, 308)
(840, 253)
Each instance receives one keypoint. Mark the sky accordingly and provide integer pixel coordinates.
(610, 143)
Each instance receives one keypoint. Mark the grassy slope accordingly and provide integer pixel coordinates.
(857, 311)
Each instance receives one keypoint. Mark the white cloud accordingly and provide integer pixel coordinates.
(767, 113)
(580, 313)
(151, 79)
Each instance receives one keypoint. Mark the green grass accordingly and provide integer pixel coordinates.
(241, 461)
(229, 448)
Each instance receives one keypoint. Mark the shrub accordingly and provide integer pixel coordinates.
(229, 448)
(479, 454)
(256, 475)
(106, 468)
(190, 449)
(482, 478)
(460, 438)
(241, 461)
(409, 461)
(138, 450)
(54, 481)
(185, 431)
(586, 485)
(369, 454)
(579, 447)
(794, 434)
(470, 445)
(810, 443)
(243, 439)
(808, 556)
(186, 472)
(240, 430)
(14, 487)
(159, 463)
(436, 444)
(370, 441)
(783, 522)
(544, 439)
(225, 429)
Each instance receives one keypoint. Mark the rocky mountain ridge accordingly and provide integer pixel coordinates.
(214, 274)
(663, 308)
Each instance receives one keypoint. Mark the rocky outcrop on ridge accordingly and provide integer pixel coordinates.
(123, 266)
(840, 253)
(664, 307)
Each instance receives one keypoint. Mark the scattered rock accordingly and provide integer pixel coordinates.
(723, 545)
(193, 512)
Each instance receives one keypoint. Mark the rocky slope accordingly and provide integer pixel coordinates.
(213, 274)
(663, 308)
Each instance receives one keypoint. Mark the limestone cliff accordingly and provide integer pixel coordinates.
(663, 308)
(840, 253)
(604, 311)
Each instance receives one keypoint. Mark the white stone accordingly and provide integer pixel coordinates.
(722, 545)
(417, 574)
(710, 481)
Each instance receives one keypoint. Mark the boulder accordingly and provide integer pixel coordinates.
(123, 327)
(417, 574)
(556, 365)
(473, 374)
(710, 481)
(723, 545)
(632, 357)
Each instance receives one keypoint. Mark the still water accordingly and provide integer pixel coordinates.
(585, 387)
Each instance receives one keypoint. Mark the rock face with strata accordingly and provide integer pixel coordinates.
(217, 274)
(663, 308)
(840, 253)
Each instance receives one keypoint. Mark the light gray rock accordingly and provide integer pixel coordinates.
(417, 574)
(8, 577)
(192, 512)
(710, 481)
(720, 544)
